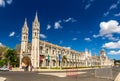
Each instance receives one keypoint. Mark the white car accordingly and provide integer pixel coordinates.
(4, 69)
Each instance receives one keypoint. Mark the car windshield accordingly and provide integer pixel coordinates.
(4, 66)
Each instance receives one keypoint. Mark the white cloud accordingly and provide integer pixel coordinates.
(87, 39)
(4, 2)
(110, 37)
(108, 29)
(9, 1)
(60, 42)
(57, 25)
(11, 34)
(1, 45)
(87, 6)
(89, 3)
(96, 36)
(48, 27)
(70, 20)
(117, 15)
(114, 52)
(113, 6)
(106, 13)
(112, 45)
(74, 39)
(67, 47)
(43, 36)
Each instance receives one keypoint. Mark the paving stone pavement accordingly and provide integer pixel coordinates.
(87, 75)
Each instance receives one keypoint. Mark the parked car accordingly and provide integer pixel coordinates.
(4, 68)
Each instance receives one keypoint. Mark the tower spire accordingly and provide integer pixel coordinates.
(36, 17)
(25, 24)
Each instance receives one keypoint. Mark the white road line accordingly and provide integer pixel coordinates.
(118, 77)
(2, 79)
(59, 74)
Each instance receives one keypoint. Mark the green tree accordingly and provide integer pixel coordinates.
(3, 50)
(12, 57)
(3, 62)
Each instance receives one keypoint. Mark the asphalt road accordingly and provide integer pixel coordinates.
(34, 76)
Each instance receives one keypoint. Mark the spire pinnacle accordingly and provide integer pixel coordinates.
(25, 24)
(36, 17)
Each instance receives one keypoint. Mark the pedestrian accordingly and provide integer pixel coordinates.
(31, 67)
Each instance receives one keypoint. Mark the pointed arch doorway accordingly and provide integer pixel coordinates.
(26, 62)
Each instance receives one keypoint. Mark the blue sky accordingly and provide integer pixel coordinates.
(76, 24)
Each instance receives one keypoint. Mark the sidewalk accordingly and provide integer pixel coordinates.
(19, 69)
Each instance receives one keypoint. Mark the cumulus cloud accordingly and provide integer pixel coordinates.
(48, 27)
(108, 29)
(11, 34)
(74, 39)
(43, 36)
(87, 39)
(70, 20)
(57, 25)
(4, 2)
(114, 52)
(112, 45)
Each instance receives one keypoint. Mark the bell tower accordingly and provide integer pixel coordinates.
(24, 40)
(35, 42)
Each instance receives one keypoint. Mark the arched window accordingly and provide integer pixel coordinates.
(24, 37)
(53, 52)
(35, 33)
(46, 51)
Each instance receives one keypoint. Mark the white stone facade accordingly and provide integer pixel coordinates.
(44, 54)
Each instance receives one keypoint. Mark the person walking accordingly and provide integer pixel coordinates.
(31, 67)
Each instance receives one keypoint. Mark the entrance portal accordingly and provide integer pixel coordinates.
(26, 61)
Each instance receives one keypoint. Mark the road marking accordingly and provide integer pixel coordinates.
(59, 74)
(118, 77)
(2, 79)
